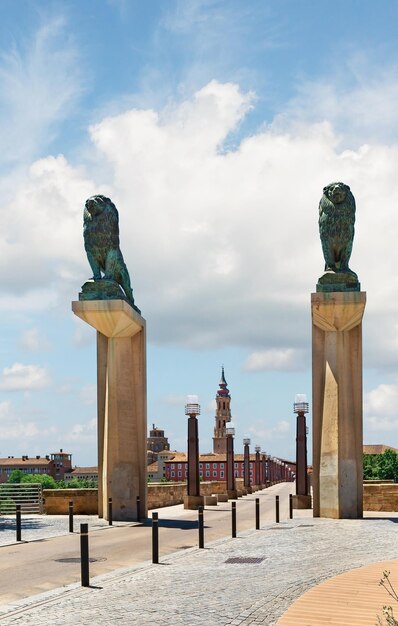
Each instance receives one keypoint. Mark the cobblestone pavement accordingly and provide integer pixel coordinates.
(205, 588)
(35, 527)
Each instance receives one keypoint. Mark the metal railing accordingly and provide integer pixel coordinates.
(28, 495)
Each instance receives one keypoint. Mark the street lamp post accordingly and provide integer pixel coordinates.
(268, 469)
(193, 499)
(257, 466)
(263, 468)
(302, 499)
(246, 463)
(231, 488)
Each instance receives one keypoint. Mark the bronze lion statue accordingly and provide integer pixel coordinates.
(101, 242)
(336, 226)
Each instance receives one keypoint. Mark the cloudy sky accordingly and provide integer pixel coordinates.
(213, 125)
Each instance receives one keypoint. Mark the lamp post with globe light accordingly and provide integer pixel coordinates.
(246, 463)
(263, 472)
(193, 498)
(231, 487)
(302, 499)
(257, 467)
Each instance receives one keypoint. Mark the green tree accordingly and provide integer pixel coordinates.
(16, 476)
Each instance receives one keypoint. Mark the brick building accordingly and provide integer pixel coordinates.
(55, 465)
(214, 467)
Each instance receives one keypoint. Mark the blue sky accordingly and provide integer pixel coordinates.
(214, 126)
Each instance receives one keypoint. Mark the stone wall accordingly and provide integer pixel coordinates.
(380, 496)
(56, 501)
(85, 501)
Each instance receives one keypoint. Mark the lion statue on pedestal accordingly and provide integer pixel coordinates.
(336, 226)
(101, 242)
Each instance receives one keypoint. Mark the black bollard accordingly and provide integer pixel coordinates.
(84, 562)
(110, 511)
(71, 516)
(277, 509)
(18, 521)
(201, 527)
(233, 519)
(291, 505)
(155, 538)
(257, 513)
(138, 508)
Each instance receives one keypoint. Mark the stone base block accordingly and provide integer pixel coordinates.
(193, 502)
(210, 500)
(232, 494)
(302, 502)
(222, 497)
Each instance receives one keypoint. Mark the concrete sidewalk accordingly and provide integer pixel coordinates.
(252, 579)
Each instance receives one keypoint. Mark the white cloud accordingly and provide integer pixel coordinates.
(19, 377)
(33, 341)
(259, 431)
(80, 433)
(380, 410)
(283, 360)
(38, 84)
(222, 247)
(13, 427)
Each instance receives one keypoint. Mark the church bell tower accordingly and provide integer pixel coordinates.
(223, 415)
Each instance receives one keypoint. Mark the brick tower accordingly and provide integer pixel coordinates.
(223, 415)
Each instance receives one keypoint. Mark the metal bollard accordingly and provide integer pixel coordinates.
(201, 527)
(84, 561)
(155, 538)
(277, 509)
(233, 519)
(110, 511)
(18, 521)
(71, 516)
(291, 505)
(138, 508)
(257, 513)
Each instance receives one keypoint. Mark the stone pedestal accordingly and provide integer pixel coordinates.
(193, 502)
(121, 395)
(232, 494)
(337, 404)
(301, 501)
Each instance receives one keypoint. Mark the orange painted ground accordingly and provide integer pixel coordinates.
(350, 599)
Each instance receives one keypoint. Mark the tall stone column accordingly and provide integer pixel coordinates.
(337, 403)
(121, 398)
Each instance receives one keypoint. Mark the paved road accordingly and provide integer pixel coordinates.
(269, 569)
(119, 546)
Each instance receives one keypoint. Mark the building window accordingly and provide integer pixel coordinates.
(172, 466)
(200, 465)
(179, 474)
(251, 465)
(186, 474)
(214, 465)
(236, 474)
(200, 475)
(222, 465)
(179, 466)
(221, 474)
(214, 474)
(207, 465)
(235, 465)
(207, 474)
(172, 474)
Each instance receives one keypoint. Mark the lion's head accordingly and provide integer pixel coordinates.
(337, 192)
(97, 204)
